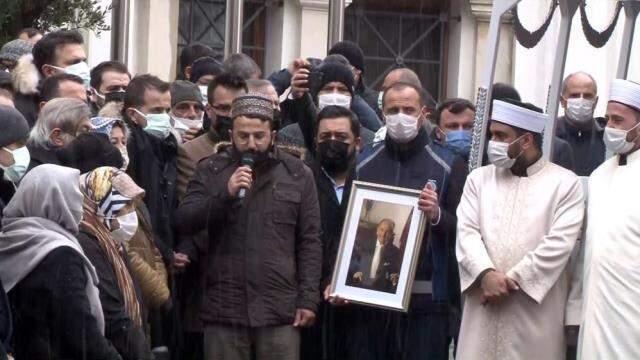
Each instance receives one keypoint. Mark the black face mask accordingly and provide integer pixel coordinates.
(115, 96)
(223, 126)
(334, 156)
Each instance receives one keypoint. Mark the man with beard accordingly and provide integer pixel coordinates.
(518, 222)
(190, 254)
(265, 254)
(220, 94)
(336, 144)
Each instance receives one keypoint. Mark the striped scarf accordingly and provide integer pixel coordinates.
(101, 204)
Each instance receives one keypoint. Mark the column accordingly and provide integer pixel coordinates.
(154, 49)
(481, 10)
(314, 28)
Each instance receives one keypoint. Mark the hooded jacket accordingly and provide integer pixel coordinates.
(26, 80)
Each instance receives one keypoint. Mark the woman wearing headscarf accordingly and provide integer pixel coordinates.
(147, 265)
(110, 220)
(51, 283)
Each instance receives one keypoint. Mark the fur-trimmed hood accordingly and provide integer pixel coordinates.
(292, 150)
(25, 76)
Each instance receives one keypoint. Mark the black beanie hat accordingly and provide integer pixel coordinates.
(336, 72)
(351, 51)
(205, 66)
(13, 126)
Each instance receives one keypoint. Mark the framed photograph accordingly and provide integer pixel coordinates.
(379, 247)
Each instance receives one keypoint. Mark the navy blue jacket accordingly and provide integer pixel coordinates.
(411, 166)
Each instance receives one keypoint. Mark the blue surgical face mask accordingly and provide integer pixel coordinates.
(21, 160)
(459, 141)
(158, 125)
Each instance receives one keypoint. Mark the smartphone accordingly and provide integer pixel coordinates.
(315, 79)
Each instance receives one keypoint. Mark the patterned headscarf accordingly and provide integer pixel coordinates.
(106, 191)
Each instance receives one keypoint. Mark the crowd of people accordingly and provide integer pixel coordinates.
(201, 219)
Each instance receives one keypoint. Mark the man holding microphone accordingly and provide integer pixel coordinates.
(261, 209)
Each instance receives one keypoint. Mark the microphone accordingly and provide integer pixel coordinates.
(247, 160)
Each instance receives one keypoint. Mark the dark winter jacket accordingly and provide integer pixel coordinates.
(265, 253)
(411, 167)
(332, 215)
(52, 314)
(119, 328)
(587, 145)
(152, 165)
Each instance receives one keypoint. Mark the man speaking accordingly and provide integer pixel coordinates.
(265, 252)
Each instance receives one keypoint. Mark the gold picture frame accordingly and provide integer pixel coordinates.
(377, 267)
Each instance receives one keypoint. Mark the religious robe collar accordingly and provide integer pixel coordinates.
(403, 152)
(533, 169)
(629, 158)
(536, 167)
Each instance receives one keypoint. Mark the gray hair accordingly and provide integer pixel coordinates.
(259, 85)
(565, 83)
(243, 66)
(65, 114)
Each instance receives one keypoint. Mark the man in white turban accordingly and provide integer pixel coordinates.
(518, 222)
(611, 314)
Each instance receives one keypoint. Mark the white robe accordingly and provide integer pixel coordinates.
(610, 326)
(525, 227)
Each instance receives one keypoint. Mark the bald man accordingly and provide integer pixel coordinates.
(407, 76)
(378, 264)
(578, 126)
(404, 75)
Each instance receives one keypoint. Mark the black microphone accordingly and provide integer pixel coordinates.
(247, 160)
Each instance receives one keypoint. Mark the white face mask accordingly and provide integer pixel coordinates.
(401, 127)
(184, 124)
(334, 98)
(580, 110)
(128, 227)
(203, 91)
(616, 140)
(21, 160)
(81, 70)
(498, 153)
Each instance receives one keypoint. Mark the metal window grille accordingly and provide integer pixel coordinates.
(391, 39)
(203, 21)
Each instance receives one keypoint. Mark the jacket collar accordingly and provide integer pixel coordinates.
(403, 152)
(564, 129)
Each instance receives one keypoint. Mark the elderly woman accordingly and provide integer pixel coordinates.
(50, 281)
(60, 121)
(109, 221)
